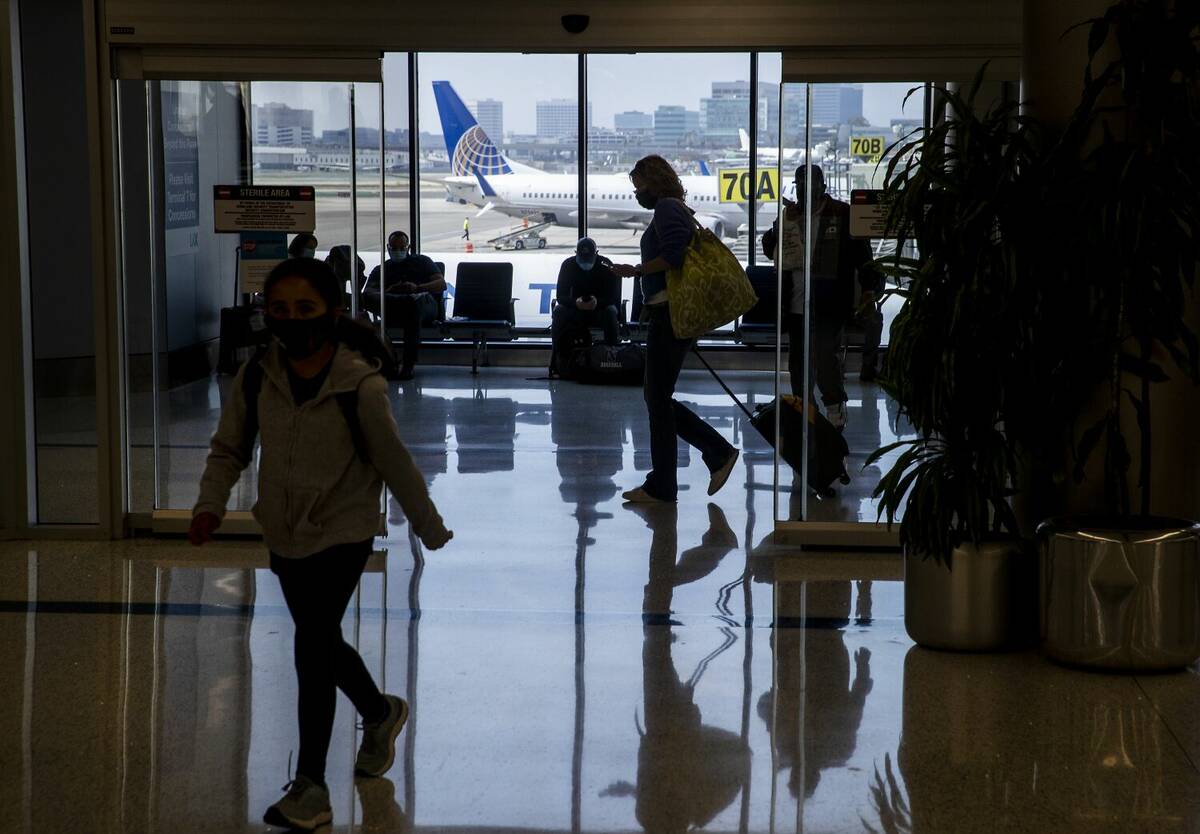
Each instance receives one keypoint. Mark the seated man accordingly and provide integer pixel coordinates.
(411, 286)
(588, 294)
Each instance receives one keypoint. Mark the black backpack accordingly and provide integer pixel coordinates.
(251, 387)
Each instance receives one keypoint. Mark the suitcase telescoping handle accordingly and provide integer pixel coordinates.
(721, 382)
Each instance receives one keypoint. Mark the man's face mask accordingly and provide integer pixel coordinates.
(586, 266)
(308, 253)
(818, 191)
(301, 338)
(397, 254)
(645, 199)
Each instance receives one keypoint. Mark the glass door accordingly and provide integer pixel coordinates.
(191, 311)
(836, 306)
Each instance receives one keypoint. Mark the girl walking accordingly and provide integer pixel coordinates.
(329, 443)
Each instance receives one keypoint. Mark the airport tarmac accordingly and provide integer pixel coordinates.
(441, 220)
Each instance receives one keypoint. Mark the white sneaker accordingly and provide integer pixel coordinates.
(305, 807)
(836, 414)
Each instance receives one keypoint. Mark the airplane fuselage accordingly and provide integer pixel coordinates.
(611, 202)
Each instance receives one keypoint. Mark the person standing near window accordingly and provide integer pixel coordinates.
(663, 245)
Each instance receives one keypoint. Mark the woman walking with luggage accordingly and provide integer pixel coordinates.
(329, 443)
(664, 243)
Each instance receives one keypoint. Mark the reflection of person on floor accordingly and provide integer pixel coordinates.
(816, 684)
(688, 772)
(381, 814)
(836, 258)
(411, 287)
(589, 454)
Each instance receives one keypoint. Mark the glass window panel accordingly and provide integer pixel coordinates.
(832, 295)
(494, 127)
(691, 109)
(188, 323)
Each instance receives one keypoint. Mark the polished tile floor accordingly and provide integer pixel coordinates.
(573, 666)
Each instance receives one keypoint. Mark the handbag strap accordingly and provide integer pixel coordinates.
(721, 382)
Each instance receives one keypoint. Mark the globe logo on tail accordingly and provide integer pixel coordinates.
(475, 154)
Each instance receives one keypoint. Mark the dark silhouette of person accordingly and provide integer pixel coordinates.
(836, 259)
(588, 294)
(815, 681)
(412, 285)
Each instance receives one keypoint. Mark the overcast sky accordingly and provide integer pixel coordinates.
(615, 83)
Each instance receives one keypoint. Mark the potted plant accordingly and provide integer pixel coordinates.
(1121, 586)
(961, 190)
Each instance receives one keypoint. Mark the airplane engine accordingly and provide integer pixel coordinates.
(716, 225)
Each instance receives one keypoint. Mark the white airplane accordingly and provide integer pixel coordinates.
(820, 151)
(484, 177)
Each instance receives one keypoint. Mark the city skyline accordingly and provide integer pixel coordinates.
(617, 83)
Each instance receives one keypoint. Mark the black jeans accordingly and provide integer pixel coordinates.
(318, 589)
(567, 317)
(668, 417)
(410, 312)
(827, 338)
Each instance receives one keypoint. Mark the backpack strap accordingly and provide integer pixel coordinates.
(348, 402)
(252, 381)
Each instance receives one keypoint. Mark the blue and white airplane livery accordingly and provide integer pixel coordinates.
(482, 176)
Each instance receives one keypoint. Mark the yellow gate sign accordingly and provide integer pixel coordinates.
(734, 185)
(869, 147)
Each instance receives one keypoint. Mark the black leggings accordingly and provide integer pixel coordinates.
(318, 589)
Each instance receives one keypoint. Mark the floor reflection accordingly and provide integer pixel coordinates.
(572, 665)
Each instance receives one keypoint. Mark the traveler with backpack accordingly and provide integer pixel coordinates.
(329, 443)
(663, 246)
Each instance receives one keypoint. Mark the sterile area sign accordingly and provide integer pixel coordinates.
(264, 208)
(258, 253)
(868, 214)
(734, 185)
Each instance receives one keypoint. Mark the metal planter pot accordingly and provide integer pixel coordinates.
(1121, 595)
(984, 601)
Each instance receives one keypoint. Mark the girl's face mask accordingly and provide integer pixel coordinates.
(301, 338)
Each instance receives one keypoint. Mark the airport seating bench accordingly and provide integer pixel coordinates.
(484, 307)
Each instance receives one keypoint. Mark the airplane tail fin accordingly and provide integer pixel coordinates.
(470, 149)
(704, 172)
(744, 138)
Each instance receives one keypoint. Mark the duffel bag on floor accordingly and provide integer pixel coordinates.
(602, 364)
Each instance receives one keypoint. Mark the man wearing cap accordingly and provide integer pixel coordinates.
(588, 294)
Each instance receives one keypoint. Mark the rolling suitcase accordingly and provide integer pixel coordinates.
(827, 448)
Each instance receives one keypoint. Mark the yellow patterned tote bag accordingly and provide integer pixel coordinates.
(710, 288)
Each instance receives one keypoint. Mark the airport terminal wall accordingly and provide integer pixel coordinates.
(530, 25)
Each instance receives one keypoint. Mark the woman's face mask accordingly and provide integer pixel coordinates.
(301, 338)
(645, 199)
